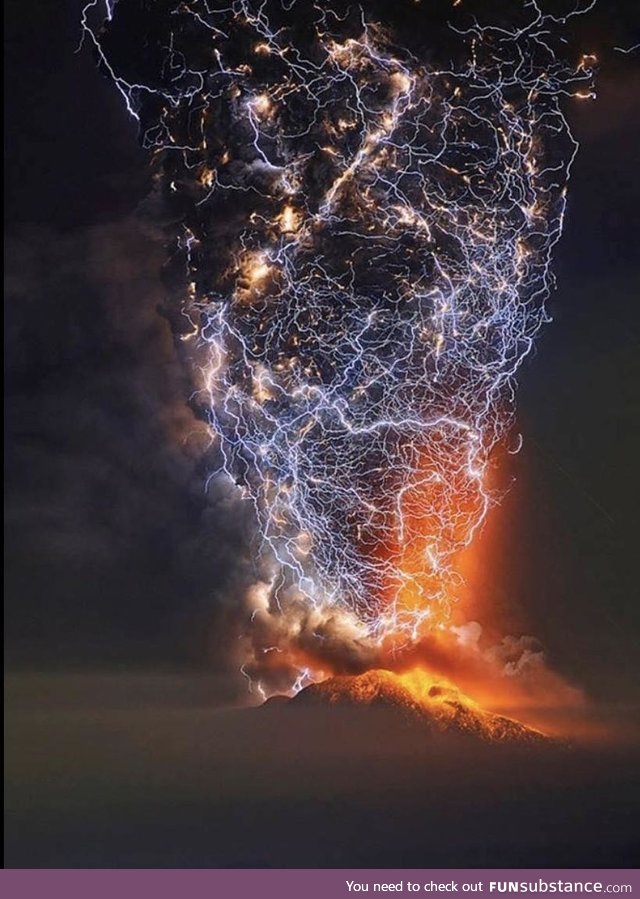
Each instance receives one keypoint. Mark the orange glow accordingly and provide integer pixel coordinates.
(445, 649)
(452, 667)
(207, 177)
(445, 701)
(262, 105)
(253, 276)
(289, 220)
(432, 581)
(422, 684)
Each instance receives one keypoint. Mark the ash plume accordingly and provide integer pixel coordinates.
(360, 223)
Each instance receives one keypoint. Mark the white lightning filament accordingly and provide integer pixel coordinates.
(367, 249)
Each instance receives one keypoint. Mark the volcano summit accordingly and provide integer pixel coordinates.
(420, 700)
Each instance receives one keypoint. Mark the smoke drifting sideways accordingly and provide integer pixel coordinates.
(361, 216)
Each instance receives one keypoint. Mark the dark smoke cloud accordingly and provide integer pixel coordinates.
(276, 648)
(114, 549)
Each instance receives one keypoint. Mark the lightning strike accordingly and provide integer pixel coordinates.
(363, 259)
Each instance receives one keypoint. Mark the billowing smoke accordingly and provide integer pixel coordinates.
(362, 205)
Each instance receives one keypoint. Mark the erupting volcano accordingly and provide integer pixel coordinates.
(431, 704)
(361, 216)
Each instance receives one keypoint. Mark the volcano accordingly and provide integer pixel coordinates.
(425, 703)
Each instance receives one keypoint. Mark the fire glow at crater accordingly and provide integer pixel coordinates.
(363, 222)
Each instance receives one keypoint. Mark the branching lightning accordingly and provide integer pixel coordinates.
(363, 256)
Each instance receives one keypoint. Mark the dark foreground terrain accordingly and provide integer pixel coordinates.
(103, 772)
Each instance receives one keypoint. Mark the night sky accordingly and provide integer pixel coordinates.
(114, 553)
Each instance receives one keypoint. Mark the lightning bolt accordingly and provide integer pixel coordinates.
(363, 259)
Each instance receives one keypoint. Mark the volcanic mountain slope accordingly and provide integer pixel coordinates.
(430, 703)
